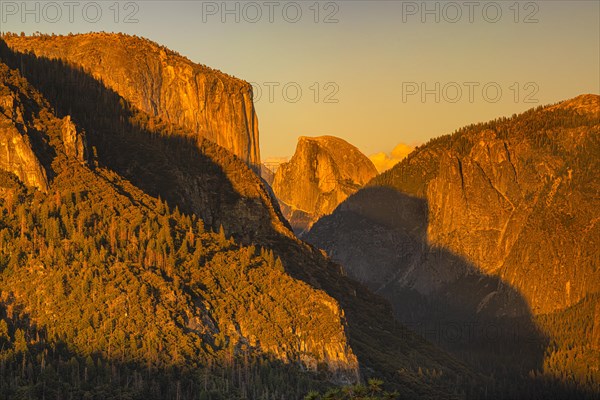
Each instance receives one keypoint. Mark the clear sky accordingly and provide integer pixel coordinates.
(362, 67)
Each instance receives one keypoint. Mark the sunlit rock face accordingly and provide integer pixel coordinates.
(160, 82)
(522, 209)
(17, 156)
(323, 172)
(16, 150)
(74, 141)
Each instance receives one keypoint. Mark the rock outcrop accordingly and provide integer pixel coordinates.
(323, 172)
(205, 102)
(17, 156)
(74, 141)
(17, 153)
(512, 199)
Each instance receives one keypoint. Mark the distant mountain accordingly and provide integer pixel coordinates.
(155, 264)
(323, 172)
(496, 222)
(267, 174)
(270, 166)
(203, 101)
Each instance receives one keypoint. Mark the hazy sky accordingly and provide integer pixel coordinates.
(361, 66)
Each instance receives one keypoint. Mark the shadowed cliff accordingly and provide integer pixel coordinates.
(432, 290)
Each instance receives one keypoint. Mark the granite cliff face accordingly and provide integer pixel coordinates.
(523, 210)
(205, 102)
(162, 158)
(17, 155)
(323, 172)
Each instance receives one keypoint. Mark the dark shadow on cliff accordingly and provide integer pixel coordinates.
(379, 235)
